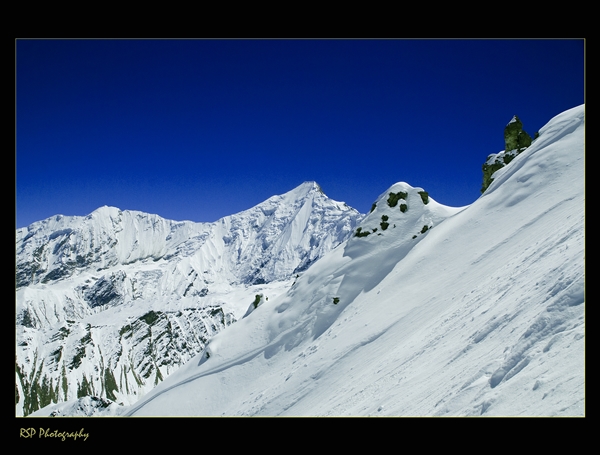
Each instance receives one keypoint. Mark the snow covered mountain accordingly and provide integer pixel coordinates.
(427, 310)
(110, 304)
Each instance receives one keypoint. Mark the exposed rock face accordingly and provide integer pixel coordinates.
(516, 140)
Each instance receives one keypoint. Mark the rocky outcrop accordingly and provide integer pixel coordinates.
(515, 137)
(516, 140)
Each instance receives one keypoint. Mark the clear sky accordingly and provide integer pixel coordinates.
(200, 129)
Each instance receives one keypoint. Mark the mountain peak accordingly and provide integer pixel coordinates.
(131, 272)
(105, 211)
(310, 186)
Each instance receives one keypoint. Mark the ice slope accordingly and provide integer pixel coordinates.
(111, 303)
(481, 314)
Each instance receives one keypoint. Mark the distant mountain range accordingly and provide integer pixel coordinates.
(111, 303)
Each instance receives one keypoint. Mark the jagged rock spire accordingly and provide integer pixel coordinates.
(515, 137)
(516, 140)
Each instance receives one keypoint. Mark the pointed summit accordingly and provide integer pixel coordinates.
(310, 186)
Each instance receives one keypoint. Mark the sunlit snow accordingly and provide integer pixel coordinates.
(426, 310)
(482, 313)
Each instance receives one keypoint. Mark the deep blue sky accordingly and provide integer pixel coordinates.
(200, 129)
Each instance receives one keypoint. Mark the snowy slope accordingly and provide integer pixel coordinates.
(111, 303)
(480, 314)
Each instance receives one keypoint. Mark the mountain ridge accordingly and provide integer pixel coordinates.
(422, 310)
(177, 282)
(483, 314)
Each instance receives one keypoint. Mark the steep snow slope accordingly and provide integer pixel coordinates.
(111, 303)
(480, 314)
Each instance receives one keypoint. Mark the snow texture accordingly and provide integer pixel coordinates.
(482, 313)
